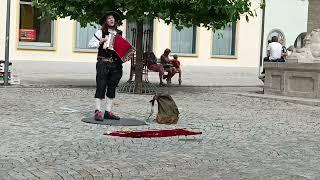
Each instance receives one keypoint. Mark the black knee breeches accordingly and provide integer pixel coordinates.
(107, 79)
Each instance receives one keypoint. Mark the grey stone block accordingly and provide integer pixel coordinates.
(293, 79)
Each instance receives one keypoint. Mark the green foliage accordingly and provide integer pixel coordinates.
(212, 14)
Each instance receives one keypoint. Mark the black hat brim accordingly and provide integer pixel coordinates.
(112, 13)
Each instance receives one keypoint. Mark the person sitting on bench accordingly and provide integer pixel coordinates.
(176, 64)
(165, 61)
(151, 62)
(274, 51)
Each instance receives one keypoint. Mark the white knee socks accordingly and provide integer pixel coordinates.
(98, 104)
(109, 104)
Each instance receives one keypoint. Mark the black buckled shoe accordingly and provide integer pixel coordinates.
(110, 115)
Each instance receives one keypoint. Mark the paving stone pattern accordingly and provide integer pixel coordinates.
(42, 137)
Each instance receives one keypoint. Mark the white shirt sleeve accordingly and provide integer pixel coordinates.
(95, 40)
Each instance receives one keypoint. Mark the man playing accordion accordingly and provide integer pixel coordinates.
(113, 50)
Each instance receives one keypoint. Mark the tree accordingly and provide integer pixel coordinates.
(212, 14)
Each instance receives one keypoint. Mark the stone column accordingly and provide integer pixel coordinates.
(313, 16)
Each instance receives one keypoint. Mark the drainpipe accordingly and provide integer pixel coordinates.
(262, 34)
(6, 64)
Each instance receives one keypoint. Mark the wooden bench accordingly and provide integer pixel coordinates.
(146, 72)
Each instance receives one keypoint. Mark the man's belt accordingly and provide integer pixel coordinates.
(121, 47)
(100, 58)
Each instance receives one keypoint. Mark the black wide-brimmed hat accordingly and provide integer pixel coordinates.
(116, 16)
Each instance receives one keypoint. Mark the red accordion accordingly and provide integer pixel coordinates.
(123, 48)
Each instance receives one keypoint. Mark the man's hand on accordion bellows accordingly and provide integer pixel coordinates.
(102, 40)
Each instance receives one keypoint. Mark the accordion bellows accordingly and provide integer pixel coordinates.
(123, 48)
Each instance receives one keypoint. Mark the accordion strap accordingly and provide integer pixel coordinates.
(96, 37)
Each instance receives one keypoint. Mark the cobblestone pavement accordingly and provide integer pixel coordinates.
(42, 137)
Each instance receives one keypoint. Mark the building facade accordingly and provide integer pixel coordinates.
(32, 38)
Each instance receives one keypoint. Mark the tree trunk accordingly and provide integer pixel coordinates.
(139, 59)
(313, 15)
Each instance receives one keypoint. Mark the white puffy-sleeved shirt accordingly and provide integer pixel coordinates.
(95, 40)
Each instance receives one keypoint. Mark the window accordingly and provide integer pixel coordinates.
(184, 41)
(131, 33)
(224, 41)
(84, 34)
(34, 31)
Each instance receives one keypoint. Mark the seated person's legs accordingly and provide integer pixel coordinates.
(157, 68)
(153, 67)
(169, 73)
(266, 59)
(173, 71)
(178, 70)
(161, 73)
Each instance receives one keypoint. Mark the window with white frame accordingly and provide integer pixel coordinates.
(84, 34)
(184, 41)
(224, 41)
(34, 31)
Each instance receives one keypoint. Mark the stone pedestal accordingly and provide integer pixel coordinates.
(292, 79)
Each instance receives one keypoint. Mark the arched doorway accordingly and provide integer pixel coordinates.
(278, 33)
(298, 43)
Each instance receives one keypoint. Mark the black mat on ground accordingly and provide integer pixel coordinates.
(121, 122)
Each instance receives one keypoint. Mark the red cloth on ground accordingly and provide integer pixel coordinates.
(153, 133)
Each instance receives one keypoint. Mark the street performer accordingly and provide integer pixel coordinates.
(109, 64)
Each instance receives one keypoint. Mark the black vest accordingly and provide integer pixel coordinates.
(106, 53)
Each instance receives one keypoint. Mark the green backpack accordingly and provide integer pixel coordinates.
(168, 112)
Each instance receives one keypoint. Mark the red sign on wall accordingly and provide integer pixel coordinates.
(27, 34)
